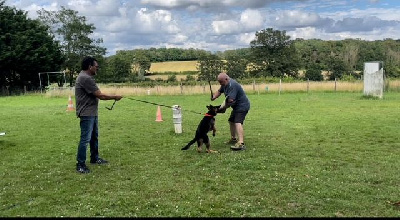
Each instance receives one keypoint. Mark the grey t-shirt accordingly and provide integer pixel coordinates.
(86, 102)
(235, 91)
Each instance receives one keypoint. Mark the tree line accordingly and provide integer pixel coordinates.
(58, 40)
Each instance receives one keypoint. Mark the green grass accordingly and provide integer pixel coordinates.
(308, 155)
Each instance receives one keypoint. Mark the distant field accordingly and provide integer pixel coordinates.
(157, 69)
(173, 66)
(165, 77)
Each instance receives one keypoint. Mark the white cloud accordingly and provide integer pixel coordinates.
(179, 38)
(295, 19)
(155, 21)
(251, 20)
(116, 25)
(226, 27)
(305, 33)
(246, 38)
(95, 8)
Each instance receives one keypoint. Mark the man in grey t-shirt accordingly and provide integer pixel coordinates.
(87, 96)
(236, 99)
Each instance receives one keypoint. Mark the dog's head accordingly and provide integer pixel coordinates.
(212, 110)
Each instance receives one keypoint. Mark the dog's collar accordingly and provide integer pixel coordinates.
(209, 115)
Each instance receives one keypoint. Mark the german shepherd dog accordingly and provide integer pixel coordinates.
(206, 124)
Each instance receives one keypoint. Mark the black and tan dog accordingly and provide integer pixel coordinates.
(206, 124)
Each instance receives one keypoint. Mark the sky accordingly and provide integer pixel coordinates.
(219, 25)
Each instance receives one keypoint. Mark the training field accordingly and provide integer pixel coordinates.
(308, 155)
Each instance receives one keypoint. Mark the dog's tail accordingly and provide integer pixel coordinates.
(189, 144)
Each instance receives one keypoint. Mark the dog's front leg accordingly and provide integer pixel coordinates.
(208, 145)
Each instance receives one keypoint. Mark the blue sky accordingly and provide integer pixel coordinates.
(218, 25)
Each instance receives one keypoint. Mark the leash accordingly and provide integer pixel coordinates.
(111, 106)
(147, 102)
(209, 83)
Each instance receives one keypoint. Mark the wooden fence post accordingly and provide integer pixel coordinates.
(335, 84)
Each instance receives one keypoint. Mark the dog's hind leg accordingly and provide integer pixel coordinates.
(199, 145)
(189, 144)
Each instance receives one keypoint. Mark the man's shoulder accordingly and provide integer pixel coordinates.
(235, 84)
(83, 74)
(83, 77)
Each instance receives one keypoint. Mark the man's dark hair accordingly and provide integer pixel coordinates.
(87, 61)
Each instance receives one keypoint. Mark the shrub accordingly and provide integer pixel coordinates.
(314, 73)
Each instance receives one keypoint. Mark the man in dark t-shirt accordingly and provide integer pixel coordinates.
(87, 96)
(236, 99)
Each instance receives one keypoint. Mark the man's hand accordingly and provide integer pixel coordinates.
(221, 109)
(118, 97)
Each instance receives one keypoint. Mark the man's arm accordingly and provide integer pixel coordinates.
(216, 95)
(103, 96)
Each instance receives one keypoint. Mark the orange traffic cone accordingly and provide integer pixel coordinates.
(70, 105)
(159, 117)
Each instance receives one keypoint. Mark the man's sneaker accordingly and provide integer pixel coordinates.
(82, 168)
(231, 141)
(238, 147)
(98, 161)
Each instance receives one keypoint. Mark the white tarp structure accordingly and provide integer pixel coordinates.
(373, 79)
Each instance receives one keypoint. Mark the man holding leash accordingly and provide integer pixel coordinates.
(237, 99)
(87, 102)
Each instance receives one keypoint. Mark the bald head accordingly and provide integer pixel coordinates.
(223, 79)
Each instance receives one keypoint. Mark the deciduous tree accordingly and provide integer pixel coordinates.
(274, 53)
(73, 33)
(26, 49)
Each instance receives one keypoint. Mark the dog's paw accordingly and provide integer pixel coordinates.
(199, 149)
(212, 151)
(213, 134)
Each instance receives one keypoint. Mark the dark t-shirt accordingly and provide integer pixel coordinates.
(86, 102)
(235, 91)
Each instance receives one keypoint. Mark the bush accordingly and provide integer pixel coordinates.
(171, 78)
(314, 74)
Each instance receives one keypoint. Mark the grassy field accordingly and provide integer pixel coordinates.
(308, 155)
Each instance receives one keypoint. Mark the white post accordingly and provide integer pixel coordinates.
(177, 118)
(280, 86)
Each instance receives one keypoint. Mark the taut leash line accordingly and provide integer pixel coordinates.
(159, 104)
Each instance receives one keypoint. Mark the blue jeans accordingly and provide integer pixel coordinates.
(89, 134)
